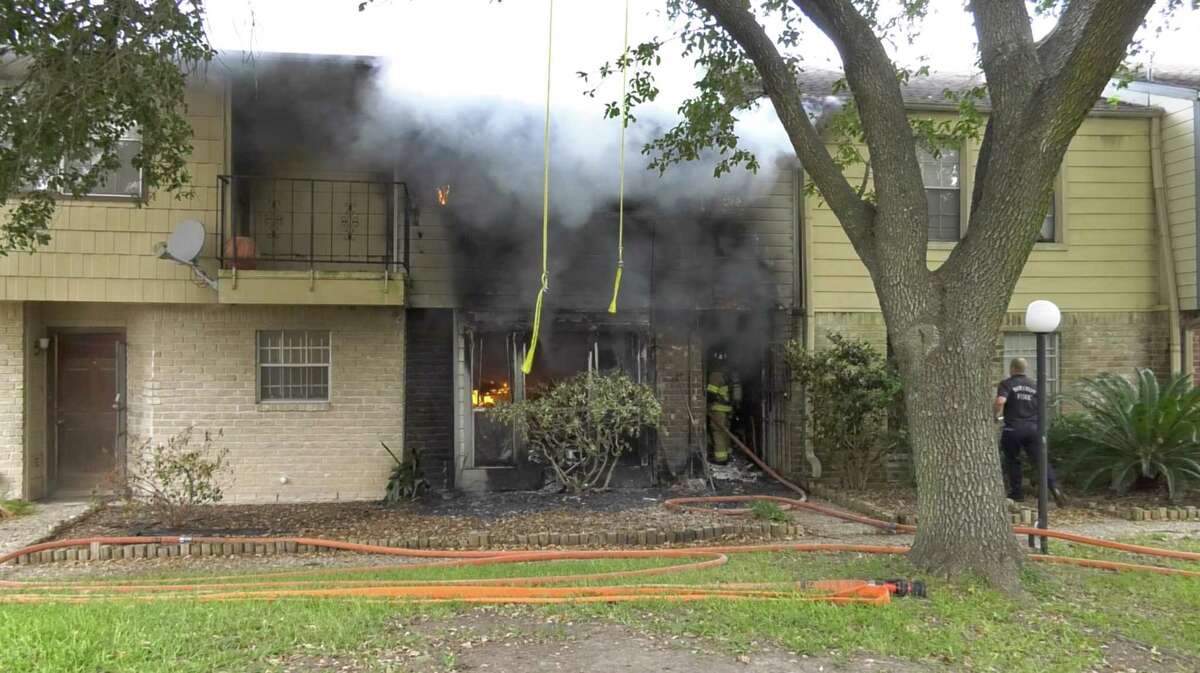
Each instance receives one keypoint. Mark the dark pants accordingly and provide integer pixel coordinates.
(1014, 439)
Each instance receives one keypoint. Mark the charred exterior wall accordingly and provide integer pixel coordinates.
(429, 403)
(679, 368)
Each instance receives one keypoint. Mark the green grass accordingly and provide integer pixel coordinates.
(1057, 626)
(17, 507)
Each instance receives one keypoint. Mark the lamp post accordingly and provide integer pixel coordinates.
(1042, 317)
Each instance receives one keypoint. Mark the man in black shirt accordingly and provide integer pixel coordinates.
(1017, 404)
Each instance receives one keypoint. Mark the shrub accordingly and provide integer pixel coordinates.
(172, 479)
(405, 481)
(582, 425)
(851, 389)
(1135, 430)
(13, 508)
(765, 510)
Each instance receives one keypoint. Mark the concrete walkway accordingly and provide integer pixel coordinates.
(23, 531)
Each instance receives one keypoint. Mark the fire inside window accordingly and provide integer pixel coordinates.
(443, 195)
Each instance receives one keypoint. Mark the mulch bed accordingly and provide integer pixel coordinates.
(502, 515)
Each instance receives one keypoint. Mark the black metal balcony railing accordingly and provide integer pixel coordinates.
(303, 223)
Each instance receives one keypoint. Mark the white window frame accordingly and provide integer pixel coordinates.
(926, 156)
(259, 365)
(1028, 349)
(1056, 214)
(131, 135)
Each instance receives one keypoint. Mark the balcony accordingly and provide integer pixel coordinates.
(309, 240)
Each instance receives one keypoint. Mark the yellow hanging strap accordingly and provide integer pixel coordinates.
(612, 306)
(527, 366)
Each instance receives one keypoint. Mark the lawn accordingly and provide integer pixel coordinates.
(1063, 623)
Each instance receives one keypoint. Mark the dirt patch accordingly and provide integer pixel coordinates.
(502, 640)
(501, 515)
(1122, 655)
(1081, 508)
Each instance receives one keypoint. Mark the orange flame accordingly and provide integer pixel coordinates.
(443, 195)
(489, 398)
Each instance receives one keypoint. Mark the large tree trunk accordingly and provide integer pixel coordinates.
(964, 526)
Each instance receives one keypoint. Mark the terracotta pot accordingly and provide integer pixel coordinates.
(239, 252)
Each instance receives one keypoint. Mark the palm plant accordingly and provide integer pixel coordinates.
(1140, 429)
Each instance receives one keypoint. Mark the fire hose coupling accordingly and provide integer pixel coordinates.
(904, 588)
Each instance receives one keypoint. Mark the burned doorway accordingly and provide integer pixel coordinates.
(738, 352)
(494, 357)
(495, 376)
(87, 399)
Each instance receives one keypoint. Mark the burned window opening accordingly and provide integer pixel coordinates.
(496, 378)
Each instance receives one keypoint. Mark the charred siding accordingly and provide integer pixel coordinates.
(429, 401)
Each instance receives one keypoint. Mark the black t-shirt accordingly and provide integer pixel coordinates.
(1020, 399)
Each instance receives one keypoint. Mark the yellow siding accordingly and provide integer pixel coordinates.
(1106, 259)
(101, 249)
(1179, 159)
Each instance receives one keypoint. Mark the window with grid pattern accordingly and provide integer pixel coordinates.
(1048, 233)
(293, 365)
(940, 175)
(1024, 345)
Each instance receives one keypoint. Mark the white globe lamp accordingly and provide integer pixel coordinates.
(1042, 317)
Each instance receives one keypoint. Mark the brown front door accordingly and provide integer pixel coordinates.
(88, 410)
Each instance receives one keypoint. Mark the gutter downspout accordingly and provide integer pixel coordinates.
(804, 260)
(1167, 255)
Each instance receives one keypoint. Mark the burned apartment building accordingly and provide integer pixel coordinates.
(705, 275)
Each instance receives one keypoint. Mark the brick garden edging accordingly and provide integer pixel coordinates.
(646, 537)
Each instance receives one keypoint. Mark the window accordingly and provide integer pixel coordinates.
(1024, 345)
(940, 175)
(1048, 234)
(293, 366)
(126, 180)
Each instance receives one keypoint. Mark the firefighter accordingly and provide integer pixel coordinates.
(719, 410)
(1017, 406)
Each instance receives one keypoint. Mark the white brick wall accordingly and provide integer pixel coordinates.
(12, 399)
(195, 365)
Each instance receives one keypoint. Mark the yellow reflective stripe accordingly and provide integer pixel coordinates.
(720, 407)
(718, 390)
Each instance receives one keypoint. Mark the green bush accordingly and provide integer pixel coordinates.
(1133, 430)
(582, 425)
(765, 510)
(851, 388)
(405, 481)
(172, 479)
(11, 508)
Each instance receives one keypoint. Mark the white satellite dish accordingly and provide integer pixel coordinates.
(186, 242)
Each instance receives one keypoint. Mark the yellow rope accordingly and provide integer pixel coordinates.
(612, 306)
(527, 366)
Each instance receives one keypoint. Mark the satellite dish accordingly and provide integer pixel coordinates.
(186, 242)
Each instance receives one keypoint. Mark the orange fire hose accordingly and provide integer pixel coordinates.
(537, 589)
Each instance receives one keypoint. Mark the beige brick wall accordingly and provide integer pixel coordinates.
(195, 366)
(1117, 342)
(12, 399)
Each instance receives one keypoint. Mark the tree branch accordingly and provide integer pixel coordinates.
(779, 82)
(1077, 59)
(873, 80)
(1007, 52)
